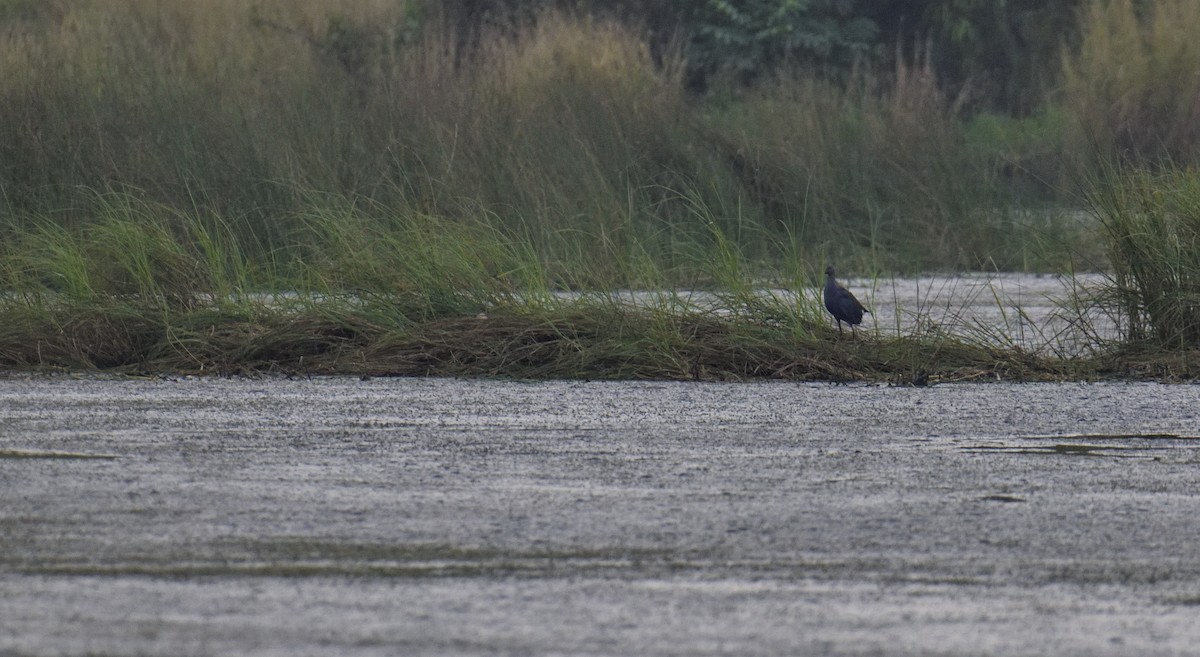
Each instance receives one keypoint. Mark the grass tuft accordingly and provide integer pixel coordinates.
(1151, 219)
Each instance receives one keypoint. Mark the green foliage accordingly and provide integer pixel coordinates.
(147, 289)
(887, 178)
(1029, 151)
(571, 131)
(211, 184)
(750, 38)
(1152, 225)
(26, 10)
(1003, 53)
(424, 266)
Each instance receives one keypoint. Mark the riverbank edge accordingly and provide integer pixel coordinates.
(614, 345)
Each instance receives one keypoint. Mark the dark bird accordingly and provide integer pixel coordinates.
(840, 303)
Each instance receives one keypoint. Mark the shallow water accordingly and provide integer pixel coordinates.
(1033, 312)
(446, 517)
(1046, 314)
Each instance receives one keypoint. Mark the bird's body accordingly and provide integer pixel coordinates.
(841, 303)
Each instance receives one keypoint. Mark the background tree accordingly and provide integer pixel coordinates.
(1005, 53)
(749, 38)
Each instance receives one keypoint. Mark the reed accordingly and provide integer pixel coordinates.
(335, 187)
(1131, 83)
(358, 290)
(1151, 219)
(569, 130)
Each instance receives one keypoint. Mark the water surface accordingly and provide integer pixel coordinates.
(447, 517)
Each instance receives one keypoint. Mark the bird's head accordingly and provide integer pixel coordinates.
(830, 272)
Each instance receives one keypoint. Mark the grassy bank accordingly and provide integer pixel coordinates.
(145, 288)
(334, 187)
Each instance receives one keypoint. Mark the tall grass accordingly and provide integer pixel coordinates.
(1132, 83)
(357, 289)
(567, 130)
(877, 173)
(147, 288)
(1152, 225)
(1131, 90)
(334, 186)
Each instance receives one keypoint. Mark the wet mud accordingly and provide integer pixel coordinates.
(448, 517)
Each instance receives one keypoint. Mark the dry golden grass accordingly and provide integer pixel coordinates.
(1132, 82)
